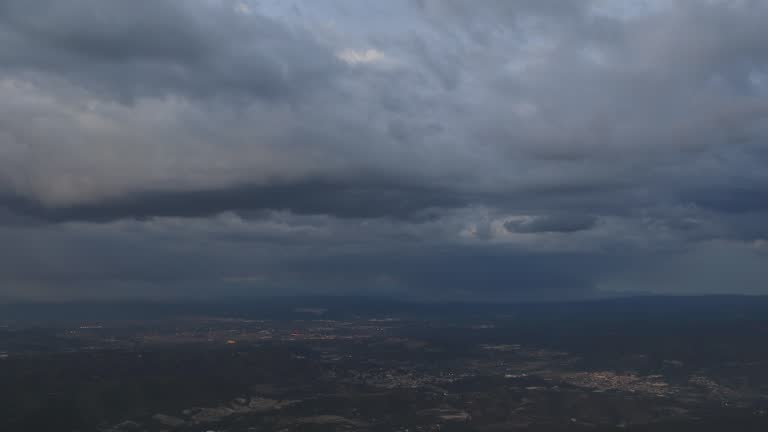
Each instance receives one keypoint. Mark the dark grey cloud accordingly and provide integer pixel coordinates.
(740, 198)
(152, 48)
(307, 197)
(507, 149)
(552, 223)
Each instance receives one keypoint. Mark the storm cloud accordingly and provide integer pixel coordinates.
(552, 223)
(433, 149)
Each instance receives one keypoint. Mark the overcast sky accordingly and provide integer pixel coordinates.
(490, 150)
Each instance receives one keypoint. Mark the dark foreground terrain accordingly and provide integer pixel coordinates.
(645, 364)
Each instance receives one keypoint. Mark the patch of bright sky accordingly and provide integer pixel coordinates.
(361, 33)
(360, 57)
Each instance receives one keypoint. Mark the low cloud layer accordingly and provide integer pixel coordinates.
(505, 150)
(552, 223)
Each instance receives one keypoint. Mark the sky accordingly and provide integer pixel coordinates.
(502, 150)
